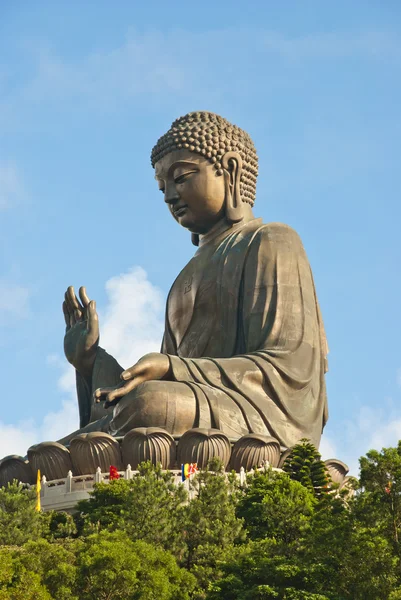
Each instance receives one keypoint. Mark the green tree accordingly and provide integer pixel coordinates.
(6, 568)
(259, 570)
(54, 564)
(27, 587)
(105, 566)
(345, 559)
(112, 567)
(19, 521)
(304, 464)
(17, 582)
(380, 503)
(149, 507)
(58, 525)
(274, 506)
(211, 524)
(335, 560)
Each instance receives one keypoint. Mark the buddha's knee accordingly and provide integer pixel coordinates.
(150, 402)
(169, 405)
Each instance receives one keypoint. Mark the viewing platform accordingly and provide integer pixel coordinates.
(69, 473)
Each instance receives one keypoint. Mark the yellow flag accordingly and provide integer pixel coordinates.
(38, 488)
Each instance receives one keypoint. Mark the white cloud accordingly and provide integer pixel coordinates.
(327, 447)
(16, 439)
(14, 301)
(10, 185)
(130, 326)
(387, 435)
(370, 428)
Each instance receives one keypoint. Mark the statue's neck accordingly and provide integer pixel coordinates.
(223, 226)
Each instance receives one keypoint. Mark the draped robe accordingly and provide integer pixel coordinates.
(244, 333)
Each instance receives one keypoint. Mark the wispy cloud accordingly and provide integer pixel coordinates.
(176, 65)
(143, 64)
(369, 44)
(130, 324)
(368, 428)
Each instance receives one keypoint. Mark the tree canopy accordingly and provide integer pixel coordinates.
(285, 535)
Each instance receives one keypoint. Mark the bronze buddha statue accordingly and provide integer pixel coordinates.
(244, 348)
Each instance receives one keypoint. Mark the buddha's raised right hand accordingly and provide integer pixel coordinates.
(81, 338)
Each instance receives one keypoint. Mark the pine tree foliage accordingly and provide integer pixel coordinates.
(19, 521)
(212, 526)
(304, 464)
(275, 506)
(148, 507)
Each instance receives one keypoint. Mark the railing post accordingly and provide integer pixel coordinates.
(128, 472)
(68, 483)
(44, 485)
(98, 475)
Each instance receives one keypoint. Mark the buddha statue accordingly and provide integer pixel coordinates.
(244, 348)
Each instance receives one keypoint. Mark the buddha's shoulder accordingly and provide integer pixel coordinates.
(276, 233)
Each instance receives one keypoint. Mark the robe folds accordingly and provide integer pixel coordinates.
(244, 332)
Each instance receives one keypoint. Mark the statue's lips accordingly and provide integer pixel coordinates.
(181, 210)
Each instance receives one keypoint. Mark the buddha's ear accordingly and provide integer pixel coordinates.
(232, 169)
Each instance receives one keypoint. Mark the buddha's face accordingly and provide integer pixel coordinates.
(192, 189)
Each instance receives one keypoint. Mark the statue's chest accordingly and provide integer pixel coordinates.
(202, 308)
(196, 289)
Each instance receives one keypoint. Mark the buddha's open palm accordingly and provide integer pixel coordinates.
(82, 331)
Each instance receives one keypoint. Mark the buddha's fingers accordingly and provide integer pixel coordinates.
(106, 391)
(132, 372)
(97, 394)
(115, 395)
(84, 296)
(140, 368)
(70, 309)
(93, 319)
(74, 303)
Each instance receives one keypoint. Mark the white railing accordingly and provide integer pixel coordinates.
(66, 492)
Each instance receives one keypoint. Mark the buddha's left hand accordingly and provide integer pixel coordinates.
(150, 367)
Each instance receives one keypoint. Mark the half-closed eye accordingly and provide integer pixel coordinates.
(183, 177)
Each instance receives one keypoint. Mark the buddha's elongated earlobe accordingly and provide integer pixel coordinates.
(195, 239)
(232, 168)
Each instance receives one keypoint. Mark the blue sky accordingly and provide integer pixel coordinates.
(86, 88)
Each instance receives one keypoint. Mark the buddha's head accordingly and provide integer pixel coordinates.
(207, 169)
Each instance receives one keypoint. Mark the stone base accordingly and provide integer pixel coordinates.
(254, 450)
(202, 445)
(90, 452)
(15, 467)
(149, 443)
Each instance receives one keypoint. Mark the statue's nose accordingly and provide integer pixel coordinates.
(171, 196)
